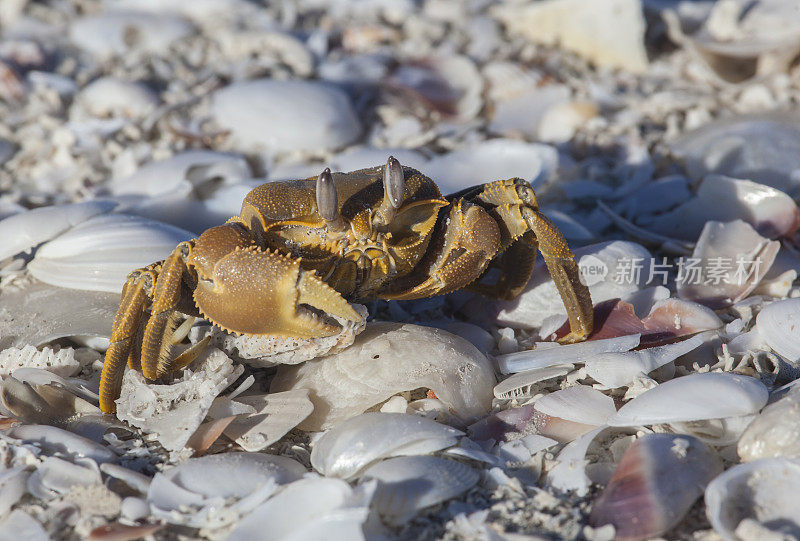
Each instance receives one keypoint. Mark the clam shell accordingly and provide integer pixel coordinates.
(352, 445)
(710, 395)
(656, 482)
(309, 509)
(407, 485)
(215, 490)
(779, 326)
(27, 229)
(98, 254)
(385, 360)
(264, 115)
(768, 486)
(579, 404)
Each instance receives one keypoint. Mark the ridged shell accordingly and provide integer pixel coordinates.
(98, 254)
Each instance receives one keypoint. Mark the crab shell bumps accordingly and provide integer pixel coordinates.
(300, 250)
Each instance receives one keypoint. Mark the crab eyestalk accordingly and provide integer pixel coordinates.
(328, 202)
(393, 188)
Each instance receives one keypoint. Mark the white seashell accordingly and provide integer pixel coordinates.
(610, 34)
(274, 415)
(215, 490)
(656, 482)
(13, 486)
(521, 112)
(20, 525)
(357, 158)
(769, 487)
(61, 362)
(111, 97)
(55, 477)
(352, 445)
(569, 473)
(98, 254)
(695, 397)
(209, 11)
(134, 509)
(619, 369)
(775, 432)
(604, 272)
(579, 404)
(749, 256)
(132, 479)
(25, 230)
(492, 160)
(723, 199)
(268, 45)
(552, 354)
(520, 384)
(282, 116)
(779, 326)
(386, 359)
(310, 509)
(116, 33)
(763, 148)
(716, 432)
(407, 485)
(196, 167)
(55, 440)
(40, 313)
(173, 412)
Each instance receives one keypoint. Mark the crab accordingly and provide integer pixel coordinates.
(301, 250)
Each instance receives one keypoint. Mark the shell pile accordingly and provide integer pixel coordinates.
(663, 139)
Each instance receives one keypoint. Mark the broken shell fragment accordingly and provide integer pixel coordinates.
(579, 404)
(352, 445)
(386, 359)
(775, 432)
(779, 326)
(656, 482)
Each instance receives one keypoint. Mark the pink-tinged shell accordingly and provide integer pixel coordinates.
(656, 482)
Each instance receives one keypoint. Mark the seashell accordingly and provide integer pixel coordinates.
(521, 111)
(569, 473)
(117, 531)
(356, 69)
(775, 432)
(606, 271)
(609, 34)
(268, 45)
(13, 486)
(98, 254)
(208, 11)
(549, 354)
(55, 477)
(199, 492)
(659, 195)
(520, 384)
(20, 525)
(771, 212)
(778, 325)
(198, 168)
(385, 360)
(55, 440)
(764, 148)
(769, 487)
(274, 415)
(61, 362)
(309, 509)
(125, 32)
(134, 508)
(264, 115)
(491, 160)
(356, 158)
(579, 404)
(716, 432)
(40, 313)
(111, 97)
(656, 482)
(173, 412)
(409, 484)
(132, 479)
(450, 85)
(26, 230)
(695, 397)
(619, 369)
(352, 445)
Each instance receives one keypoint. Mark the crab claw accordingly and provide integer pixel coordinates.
(253, 291)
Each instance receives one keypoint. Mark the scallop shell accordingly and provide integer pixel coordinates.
(779, 326)
(710, 395)
(98, 254)
(385, 360)
(769, 487)
(352, 445)
(23, 231)
(273, 115)
(407, 485)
